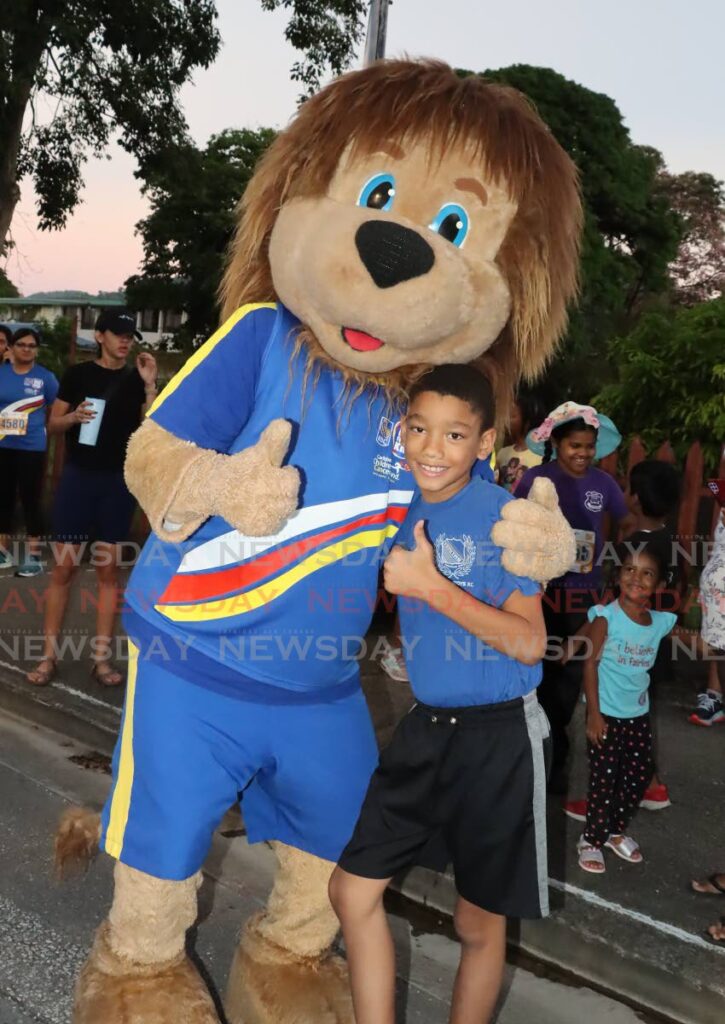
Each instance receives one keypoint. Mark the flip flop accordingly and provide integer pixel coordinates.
(43, 676)
(713, 881)
(627, 849)
(106, 676)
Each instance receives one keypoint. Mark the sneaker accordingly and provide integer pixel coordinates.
(6, 561)
(576, 809)
(394, 665)
(709, 709)
(656, 798)
(32, 566)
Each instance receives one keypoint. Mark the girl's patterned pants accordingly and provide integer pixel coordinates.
(619, 772)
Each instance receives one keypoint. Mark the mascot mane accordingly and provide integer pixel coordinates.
(428, 101)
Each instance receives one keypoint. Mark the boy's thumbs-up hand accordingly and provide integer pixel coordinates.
(412, 573)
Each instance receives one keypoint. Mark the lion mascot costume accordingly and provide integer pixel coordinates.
(407, 217)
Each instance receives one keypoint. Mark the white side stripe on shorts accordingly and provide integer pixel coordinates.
(537, 725)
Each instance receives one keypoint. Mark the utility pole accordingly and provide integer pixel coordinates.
(377, 30)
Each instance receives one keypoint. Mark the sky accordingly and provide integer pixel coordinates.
(660, 60)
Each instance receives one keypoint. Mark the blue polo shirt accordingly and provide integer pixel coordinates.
(448, 666)
(24, 401)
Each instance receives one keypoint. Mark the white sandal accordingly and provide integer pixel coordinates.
(626, 848)
(589, 855)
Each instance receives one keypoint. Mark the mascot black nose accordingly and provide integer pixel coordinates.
(391, 253)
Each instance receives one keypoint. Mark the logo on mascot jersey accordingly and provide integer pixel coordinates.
(385, 432)
(389, 467)
(398, 449)
(594, 501)
(455, 555)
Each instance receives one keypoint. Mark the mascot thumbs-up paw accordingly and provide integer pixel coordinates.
(407, 217)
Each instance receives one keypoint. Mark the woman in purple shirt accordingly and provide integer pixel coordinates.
(569, 439)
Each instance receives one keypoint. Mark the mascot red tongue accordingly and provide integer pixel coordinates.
(361, 341)
(406, 217)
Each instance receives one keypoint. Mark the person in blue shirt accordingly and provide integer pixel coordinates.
(27, 392)
(463, 779)
(624, 637)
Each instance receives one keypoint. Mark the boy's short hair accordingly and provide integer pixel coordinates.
(657, 485)
(459, 381)
(7, 333)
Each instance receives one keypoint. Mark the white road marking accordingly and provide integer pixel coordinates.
(661, 926)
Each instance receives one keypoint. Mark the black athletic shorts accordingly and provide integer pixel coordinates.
(465, 786)
(92, 504)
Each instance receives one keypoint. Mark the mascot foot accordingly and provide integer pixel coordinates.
(269, 985)
(112, 990)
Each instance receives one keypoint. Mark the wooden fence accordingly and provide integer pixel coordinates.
(694, 481)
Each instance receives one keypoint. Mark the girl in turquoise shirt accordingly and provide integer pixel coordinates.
(624, 637)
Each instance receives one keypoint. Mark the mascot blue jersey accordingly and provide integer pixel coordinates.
(276, 618)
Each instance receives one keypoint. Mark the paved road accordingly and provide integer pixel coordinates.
(45, 929)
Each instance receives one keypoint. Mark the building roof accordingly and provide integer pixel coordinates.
(63, 299)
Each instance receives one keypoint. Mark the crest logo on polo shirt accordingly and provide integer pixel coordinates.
(594, 501)
(455, 555)
(33, 384)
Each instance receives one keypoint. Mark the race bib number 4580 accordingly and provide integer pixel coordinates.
(584, 561)
(17, 425)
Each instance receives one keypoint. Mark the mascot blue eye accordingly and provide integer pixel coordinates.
(451, 222)
(378, 192)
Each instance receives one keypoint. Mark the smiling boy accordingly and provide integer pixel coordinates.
(463, 779)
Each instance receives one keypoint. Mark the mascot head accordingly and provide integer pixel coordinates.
(409, 217)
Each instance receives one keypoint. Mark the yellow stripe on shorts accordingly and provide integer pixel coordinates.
(121, 800)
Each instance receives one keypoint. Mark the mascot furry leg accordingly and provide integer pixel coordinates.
(138, 971)
(284, 958)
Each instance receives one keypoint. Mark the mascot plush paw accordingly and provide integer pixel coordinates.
(407, 218)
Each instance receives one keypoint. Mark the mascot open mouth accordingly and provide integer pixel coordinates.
(360, 341)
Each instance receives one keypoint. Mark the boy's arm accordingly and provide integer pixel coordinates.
(517, 629)
(596, 724)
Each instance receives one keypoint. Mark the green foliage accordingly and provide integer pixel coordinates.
(193, 200)
(326, 31)
(631, 234)
(670, 382)
(7, 288)
(698, 270)
(55, 337)
(104, 67)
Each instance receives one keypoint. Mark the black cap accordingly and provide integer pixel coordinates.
(120, 321)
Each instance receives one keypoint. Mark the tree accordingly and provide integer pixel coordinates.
(698, 270)
(631, 234)
(7, 288)
(105, 67)
(193, 201)
(670, 382)
(326, 31)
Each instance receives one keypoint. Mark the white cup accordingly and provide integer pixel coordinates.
(89, 431)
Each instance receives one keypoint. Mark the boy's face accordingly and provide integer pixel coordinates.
(443, 437)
